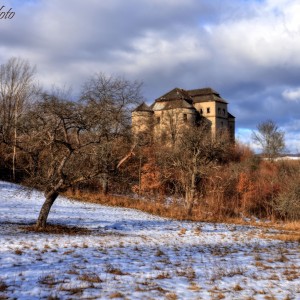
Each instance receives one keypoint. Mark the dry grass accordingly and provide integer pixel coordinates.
(163, 275)
(282, 258)
(237, 288)
(73, 290)
(149, 206)
(187, 272)
(259, 264)
(49, 279)
(18, 252)
(116, 295)
(289, 227)
(171, 296)
(90, 277)
(282, 235)
(198, 230)
(286, 236)
(175, 211)
(114, 270)
(194, 287)
(73, 272)
(292, 272)
(58, 229)
(182, 231)
(219, 272)
(159, 253)
(270, 297)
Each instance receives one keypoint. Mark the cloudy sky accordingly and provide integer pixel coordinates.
(247, 50)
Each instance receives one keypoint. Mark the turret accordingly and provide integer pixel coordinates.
(142, 120)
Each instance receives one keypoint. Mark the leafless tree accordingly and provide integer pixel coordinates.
(109, 102)
(269, 138)
(64, 143)
(59, 147)
(193, 156)
(172, 124)
(16, 90)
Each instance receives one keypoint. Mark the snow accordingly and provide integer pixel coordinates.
(287, 158)
(133, 255)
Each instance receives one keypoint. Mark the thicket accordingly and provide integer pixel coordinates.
(86, 149)
(244, 185)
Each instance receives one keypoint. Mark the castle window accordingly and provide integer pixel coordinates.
(219, 110)
(223, 112)
(201, 111)
(184, 118)
(208, 110)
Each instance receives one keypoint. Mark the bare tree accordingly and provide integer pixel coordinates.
(109, 102)
(194, 156)
(59, 147)
(16, 90)
(173, 124)
(269, 138)
(64, 143)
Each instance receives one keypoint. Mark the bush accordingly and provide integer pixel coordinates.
(287, 204)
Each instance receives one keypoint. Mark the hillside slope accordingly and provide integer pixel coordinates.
(133, 255)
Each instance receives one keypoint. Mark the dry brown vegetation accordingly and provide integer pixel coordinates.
(90, 277)
(86, 150)
(284, 236)
(232, 194)
(58, 229)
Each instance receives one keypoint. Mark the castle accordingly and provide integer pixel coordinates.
(180, 108)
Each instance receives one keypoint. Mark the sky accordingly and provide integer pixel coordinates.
(247, 50)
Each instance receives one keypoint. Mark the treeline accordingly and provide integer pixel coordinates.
(85, 146)
(236, 184)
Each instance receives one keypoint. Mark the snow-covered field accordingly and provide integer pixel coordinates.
(133, 255)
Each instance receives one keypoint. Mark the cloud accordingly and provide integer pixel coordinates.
(246, 50)
(291, 95)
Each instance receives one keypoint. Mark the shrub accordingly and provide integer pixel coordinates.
(287, 204)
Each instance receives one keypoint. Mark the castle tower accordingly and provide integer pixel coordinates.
(211, 106)
(231, 126)
(142, 121)
(173, 112)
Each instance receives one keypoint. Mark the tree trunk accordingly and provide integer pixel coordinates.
(140, 175)
(190, 197)
(44, 212)
(14, 152)
(190, 203)
(105, 184)
(15, 137)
